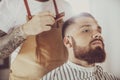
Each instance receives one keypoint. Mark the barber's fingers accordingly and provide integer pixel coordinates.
(46, 28)
(48, 20)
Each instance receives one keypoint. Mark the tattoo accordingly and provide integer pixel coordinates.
(2, 33)
(9, 42)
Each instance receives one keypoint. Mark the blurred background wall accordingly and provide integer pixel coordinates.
(4, 74)
(4, 68)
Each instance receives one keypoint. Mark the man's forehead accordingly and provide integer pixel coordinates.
(84, 19)
(81, 22)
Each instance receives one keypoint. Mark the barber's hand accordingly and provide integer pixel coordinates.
(39, 23)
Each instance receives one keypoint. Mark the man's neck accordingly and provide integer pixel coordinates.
(81, 62)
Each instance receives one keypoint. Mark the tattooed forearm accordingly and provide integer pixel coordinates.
(9, 42)
(2, 33)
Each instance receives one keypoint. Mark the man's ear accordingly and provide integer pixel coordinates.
(67, 41)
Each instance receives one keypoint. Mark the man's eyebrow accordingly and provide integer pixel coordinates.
(86, 25)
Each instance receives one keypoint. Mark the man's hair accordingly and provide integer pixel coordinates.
(72, 19)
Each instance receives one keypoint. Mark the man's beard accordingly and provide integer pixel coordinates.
(92, 56)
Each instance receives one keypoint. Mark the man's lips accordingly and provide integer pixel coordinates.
(97, 42)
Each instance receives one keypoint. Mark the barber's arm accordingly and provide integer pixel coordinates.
(9, 42)
(38, 24)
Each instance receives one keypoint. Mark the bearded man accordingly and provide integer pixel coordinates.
(84, 43)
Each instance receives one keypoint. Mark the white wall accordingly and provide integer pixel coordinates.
(107, 12)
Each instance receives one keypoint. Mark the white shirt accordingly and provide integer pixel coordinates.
(13, 12)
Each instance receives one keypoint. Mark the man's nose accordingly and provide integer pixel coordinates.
(97, 35)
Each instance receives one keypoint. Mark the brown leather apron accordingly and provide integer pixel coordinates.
(33, 61)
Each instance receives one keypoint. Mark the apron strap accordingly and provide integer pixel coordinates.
(28, 9)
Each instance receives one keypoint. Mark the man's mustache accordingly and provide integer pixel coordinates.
(97, 40)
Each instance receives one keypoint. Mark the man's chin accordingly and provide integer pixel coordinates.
(95, 46)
